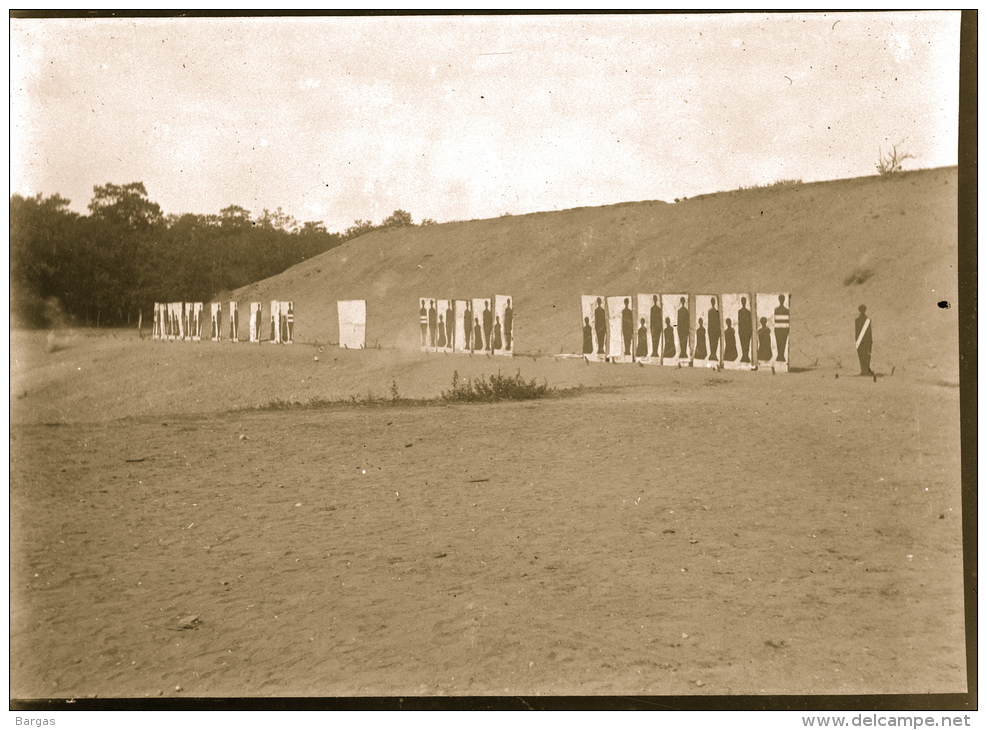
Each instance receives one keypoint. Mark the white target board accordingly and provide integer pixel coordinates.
(255, 312)
(482, 324)
(275, 329)
(676, 335)
(620, 346)
(433, 325)
(196, 321)
(287, 322)
(352, 323)
(423, 323)
(503, 326)
(738, 332)
(594, 327)
(445, 326)
(189, 320)
(234, 322)
(275, 312)
(648, 336)
(772, 332)
(162, 320)
(215, 321)
(707, 331)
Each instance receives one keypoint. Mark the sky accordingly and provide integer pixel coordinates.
(336, 119)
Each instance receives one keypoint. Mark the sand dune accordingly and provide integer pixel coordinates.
(898, 234)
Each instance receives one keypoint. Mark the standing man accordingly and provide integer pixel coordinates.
(508, 325)
(865, 339)
(600, 325)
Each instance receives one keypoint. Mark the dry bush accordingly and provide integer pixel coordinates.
(889, 164)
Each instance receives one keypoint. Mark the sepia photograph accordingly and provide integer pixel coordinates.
(493, 361)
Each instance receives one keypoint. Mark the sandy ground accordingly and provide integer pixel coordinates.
(677, 532)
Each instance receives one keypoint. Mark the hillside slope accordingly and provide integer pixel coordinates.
(810, 239)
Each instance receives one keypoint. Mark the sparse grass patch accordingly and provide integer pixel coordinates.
(785, 183)
(482, 390)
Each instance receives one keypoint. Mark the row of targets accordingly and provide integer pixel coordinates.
(183, 321)
(733, 331)
(467, 325)
(177, 321)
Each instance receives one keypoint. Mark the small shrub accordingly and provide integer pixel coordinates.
(859, 276)
(497, 388)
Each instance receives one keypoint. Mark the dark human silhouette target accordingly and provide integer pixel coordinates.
(668, 337)
(700, 352)
(713, 323)
(445, 325)
(729, 341)
(466, 319)
(620, 330)
(587, 337)
(423, 323)
(737, 308)
(642, 340)
(651, 304)
(594, 314)
(504, 322)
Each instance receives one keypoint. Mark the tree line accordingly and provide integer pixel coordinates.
(105, 267)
